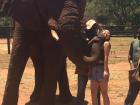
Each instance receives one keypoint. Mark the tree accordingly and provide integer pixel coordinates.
(4, 20)
(125, 11)
(120, 12)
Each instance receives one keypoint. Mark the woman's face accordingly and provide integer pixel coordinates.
(106, 34)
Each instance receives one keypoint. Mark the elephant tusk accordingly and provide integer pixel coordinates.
(54, 35)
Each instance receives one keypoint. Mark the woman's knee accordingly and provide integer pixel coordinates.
(104, 93)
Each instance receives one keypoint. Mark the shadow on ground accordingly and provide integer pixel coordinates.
(73, 102)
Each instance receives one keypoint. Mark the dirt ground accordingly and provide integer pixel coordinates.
(118, 83)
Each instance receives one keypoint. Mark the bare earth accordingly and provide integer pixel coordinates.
(118, 84)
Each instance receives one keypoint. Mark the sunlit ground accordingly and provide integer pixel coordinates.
(118, 84)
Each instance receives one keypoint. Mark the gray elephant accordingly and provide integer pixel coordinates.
(63, 83)
(32, 33)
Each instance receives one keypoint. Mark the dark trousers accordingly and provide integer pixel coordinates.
(132, 93)
(82, 82)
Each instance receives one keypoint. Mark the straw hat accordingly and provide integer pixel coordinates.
(90, 23)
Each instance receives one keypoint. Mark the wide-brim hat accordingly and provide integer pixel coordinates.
(90, 23)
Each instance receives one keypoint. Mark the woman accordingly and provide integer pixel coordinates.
(100, 71)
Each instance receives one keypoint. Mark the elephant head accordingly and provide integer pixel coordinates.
(71, 37)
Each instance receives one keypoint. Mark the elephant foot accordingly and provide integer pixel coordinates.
(64, 99)
(81, 102)
(32, 103)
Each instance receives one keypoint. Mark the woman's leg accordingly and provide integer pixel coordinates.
(94, 91)
(98, 97)
(104, 91)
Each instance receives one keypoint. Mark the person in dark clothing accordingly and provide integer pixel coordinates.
(88, 34)
(99, 71)
(133, 57)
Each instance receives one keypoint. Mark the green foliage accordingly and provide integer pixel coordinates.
(122, 12)
(4, 20)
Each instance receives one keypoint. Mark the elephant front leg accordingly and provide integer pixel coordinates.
(48, 87)
(34, 98)
(52, 61)
(38, 66)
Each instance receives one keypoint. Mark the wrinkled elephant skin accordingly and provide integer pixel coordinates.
(32, 32)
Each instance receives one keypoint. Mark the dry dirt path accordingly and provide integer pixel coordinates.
(118, 84)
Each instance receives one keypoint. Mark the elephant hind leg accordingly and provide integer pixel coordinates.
(18, 60)
(48, 90)
(16, 68)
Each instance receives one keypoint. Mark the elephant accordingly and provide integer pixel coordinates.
(64, 91)
(32, 32)
(34, 51)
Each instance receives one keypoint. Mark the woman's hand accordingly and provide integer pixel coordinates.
(106, 75)
(131, 66)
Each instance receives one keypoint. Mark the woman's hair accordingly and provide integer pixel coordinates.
(106, 33)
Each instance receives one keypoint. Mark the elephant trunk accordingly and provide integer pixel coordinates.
(95, 53)
(89, 59)
(74, 47)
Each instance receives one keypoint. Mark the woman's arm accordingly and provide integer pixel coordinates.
(107, 47)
